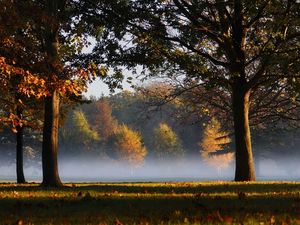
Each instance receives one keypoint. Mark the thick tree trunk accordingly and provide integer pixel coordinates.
(19, 152)
(51, 114)
(244, 170)
(50, 141)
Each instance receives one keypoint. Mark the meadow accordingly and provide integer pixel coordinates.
(152, 203)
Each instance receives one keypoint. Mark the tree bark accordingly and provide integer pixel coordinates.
(51, 113)
(19, 152)
(50, 141)
(244, 170)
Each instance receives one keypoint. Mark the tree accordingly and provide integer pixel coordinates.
(16, 45)
(236, 47)
(166, 143)
(48, 41)
(80, 133)
(33, 53)
(213, 146)
(128, 146)
(6, 87)
(102, 120)
(53, 11)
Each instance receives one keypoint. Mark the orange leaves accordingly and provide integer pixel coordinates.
(33, 86)
(118, 222)
(70, 87)
(39, 85)
(14, 120)
(7, 42)
(129, 146)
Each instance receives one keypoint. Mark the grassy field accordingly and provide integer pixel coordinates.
(152, 203)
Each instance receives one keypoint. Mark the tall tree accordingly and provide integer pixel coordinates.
(39, 62)
(237, 47)
(53, 11)
(16, 44)
(47, 41)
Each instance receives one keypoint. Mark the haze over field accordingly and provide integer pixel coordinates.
(97, 170)
(112, 139)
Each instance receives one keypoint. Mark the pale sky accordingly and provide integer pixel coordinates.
(98, 88)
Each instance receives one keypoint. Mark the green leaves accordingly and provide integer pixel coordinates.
(167, 144)
(81, 132)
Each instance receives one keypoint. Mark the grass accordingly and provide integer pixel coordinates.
(152, 203)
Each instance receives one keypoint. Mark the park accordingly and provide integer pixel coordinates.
(200, 125)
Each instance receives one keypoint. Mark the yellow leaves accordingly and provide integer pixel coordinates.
(215, 140)
(129, 146)
(167, 144)
(83, 133)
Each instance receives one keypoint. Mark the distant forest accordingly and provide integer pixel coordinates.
(134, 128)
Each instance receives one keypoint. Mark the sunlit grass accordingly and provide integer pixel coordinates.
(152, 203)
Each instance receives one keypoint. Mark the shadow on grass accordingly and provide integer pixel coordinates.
(109, 203)
(108, 209)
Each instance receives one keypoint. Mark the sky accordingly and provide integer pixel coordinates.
(98, 87)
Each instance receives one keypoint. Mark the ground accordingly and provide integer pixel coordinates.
(152, 203)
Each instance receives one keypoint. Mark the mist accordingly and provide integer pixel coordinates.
(91, 169)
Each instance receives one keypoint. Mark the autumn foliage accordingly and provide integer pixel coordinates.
(213, 145)
(82, 132)
(128, 146)
(103, 121)
(166, 142)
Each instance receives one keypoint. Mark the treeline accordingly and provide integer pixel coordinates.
(127, 128)
(163, 133)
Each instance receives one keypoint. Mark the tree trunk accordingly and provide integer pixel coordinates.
(51, 114)
(244, 170)
(50, 141)
(19, 151)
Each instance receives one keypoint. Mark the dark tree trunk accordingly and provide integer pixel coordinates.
(51, 114)
(50, 142)
(244, 170)
(19, 151)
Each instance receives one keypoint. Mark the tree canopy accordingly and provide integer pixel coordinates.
(236, 47)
